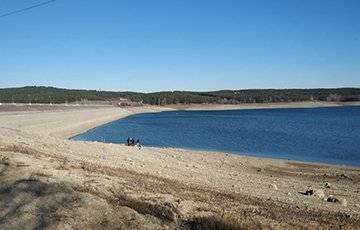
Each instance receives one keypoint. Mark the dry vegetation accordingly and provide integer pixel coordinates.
(157, 202)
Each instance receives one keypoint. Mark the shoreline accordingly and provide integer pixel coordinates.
(295, 105)
(114, 180)
(129, 111)
(215, 107)
(254, 156)
(219, 152)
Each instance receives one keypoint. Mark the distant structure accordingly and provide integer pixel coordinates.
(124, 102)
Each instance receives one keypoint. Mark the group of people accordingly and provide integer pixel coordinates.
(131, 142)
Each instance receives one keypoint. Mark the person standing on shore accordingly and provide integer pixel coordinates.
(138, 144)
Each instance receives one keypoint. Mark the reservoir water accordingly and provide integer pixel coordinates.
(327, 135)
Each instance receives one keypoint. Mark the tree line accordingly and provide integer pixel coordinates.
(53, 95)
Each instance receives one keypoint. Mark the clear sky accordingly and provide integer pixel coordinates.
(154, 45)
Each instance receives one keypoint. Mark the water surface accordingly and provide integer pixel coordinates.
(328, 135)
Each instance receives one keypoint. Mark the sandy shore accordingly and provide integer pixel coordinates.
(314, 104)
(48, 181)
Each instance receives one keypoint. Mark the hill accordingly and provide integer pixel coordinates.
(41, 94)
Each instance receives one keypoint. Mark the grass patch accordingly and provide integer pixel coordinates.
(4, 160)
(223, 222)
(163, 211)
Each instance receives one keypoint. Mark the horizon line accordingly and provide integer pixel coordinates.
(179, 90)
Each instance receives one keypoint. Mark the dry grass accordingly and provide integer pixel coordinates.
(4, 160)
(37, 175)
(269, 212)
(64, 164)
(141, 188)
(223, 222)
(18, 148)
(163, 211)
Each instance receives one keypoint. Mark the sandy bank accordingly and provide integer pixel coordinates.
(62, 183)
(65, 122)
(315, 104)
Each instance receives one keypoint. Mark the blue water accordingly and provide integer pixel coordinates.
(328, 135)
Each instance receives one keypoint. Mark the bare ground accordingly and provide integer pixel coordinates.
(54, 183)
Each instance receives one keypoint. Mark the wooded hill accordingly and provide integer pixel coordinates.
(57, 95)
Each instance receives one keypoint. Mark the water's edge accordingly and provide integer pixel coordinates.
(216, 151)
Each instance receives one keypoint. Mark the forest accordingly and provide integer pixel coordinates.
(41, 94)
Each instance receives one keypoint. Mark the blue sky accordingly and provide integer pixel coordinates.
(181, 44)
